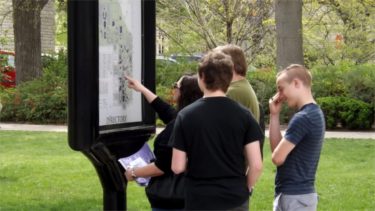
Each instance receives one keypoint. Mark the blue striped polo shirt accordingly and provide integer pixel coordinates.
(306, 130)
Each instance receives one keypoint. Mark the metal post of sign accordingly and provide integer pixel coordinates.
(108, 39)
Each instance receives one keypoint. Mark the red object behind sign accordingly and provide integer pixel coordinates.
(8, 72)
(9, 79)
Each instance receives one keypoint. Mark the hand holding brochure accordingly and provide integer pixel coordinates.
(141, 158)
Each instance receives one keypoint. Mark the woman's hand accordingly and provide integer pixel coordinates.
(128, 175)
(138, 86)
(134, 84)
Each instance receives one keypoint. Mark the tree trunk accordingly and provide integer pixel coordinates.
(288, 16)
(27, 38)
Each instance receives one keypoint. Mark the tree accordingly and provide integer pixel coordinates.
(61, 23)
(339, 30)
(197, 26)
(27, 38)
(288, 17)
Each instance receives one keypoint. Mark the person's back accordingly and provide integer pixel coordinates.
(216, 144)
(210, 140)
(240, 89)
(242, 92)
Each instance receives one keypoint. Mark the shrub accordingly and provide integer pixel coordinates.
(168, 72)
(164, 93)
(351, 113)
(360, 81)
(345, 80)
(330, 80)
(43, 100)
(329, 105)
(264, 85)
(356, 114)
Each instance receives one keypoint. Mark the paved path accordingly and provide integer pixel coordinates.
(30, 127)
(63, 128)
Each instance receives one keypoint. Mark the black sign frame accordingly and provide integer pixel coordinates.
(83, 56)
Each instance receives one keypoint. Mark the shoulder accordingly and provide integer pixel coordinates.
(238, 107)
(192, 108)
(309, 115)
(239, 91)
(310, 112)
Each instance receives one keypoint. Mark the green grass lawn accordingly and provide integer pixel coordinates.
(38, 171)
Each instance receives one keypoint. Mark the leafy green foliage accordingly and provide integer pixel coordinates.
(43, 100)
(330, 80)
(350, 113)
(209, 23)
(338, 30)
(61, 23)
(264, 84)
(345, 80)
(360, 81)
(168, 73)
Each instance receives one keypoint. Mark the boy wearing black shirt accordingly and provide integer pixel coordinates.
(212, 138)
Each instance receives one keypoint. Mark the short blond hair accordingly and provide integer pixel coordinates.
(297, 71)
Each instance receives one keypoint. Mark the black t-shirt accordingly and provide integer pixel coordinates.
(213, 132)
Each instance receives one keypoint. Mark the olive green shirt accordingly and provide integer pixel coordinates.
(242, 92)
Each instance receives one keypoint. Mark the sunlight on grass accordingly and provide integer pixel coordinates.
(38, 171)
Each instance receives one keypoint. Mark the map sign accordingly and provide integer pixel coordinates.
(120, 53)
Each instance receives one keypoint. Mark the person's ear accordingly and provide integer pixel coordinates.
(296, 83)
(201, 77)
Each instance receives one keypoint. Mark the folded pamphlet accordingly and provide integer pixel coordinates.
(141, 158)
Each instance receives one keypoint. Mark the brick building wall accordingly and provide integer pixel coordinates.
(47, 27)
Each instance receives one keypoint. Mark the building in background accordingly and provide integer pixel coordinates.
(47, 28)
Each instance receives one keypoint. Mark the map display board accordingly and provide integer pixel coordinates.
(120, 54)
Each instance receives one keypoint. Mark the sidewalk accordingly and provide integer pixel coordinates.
(63, 128)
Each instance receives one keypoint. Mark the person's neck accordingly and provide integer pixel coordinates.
(216, 93)
(237, 77)
(306, 98)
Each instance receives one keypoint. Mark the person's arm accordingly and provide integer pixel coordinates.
(254, 161)
(280, 147)
(166, 112)
(146, 171)
(178, 161)
(275, 104)
(282, 151)
(138, 86)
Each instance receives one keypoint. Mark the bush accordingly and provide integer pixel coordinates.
(345, 80)
(350, 113)
(264, 85)
(43, 100)
(360, 81)
(330, 80)
(168, 72)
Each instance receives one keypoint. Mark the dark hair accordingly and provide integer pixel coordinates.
(189, 91)
(216, 71)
